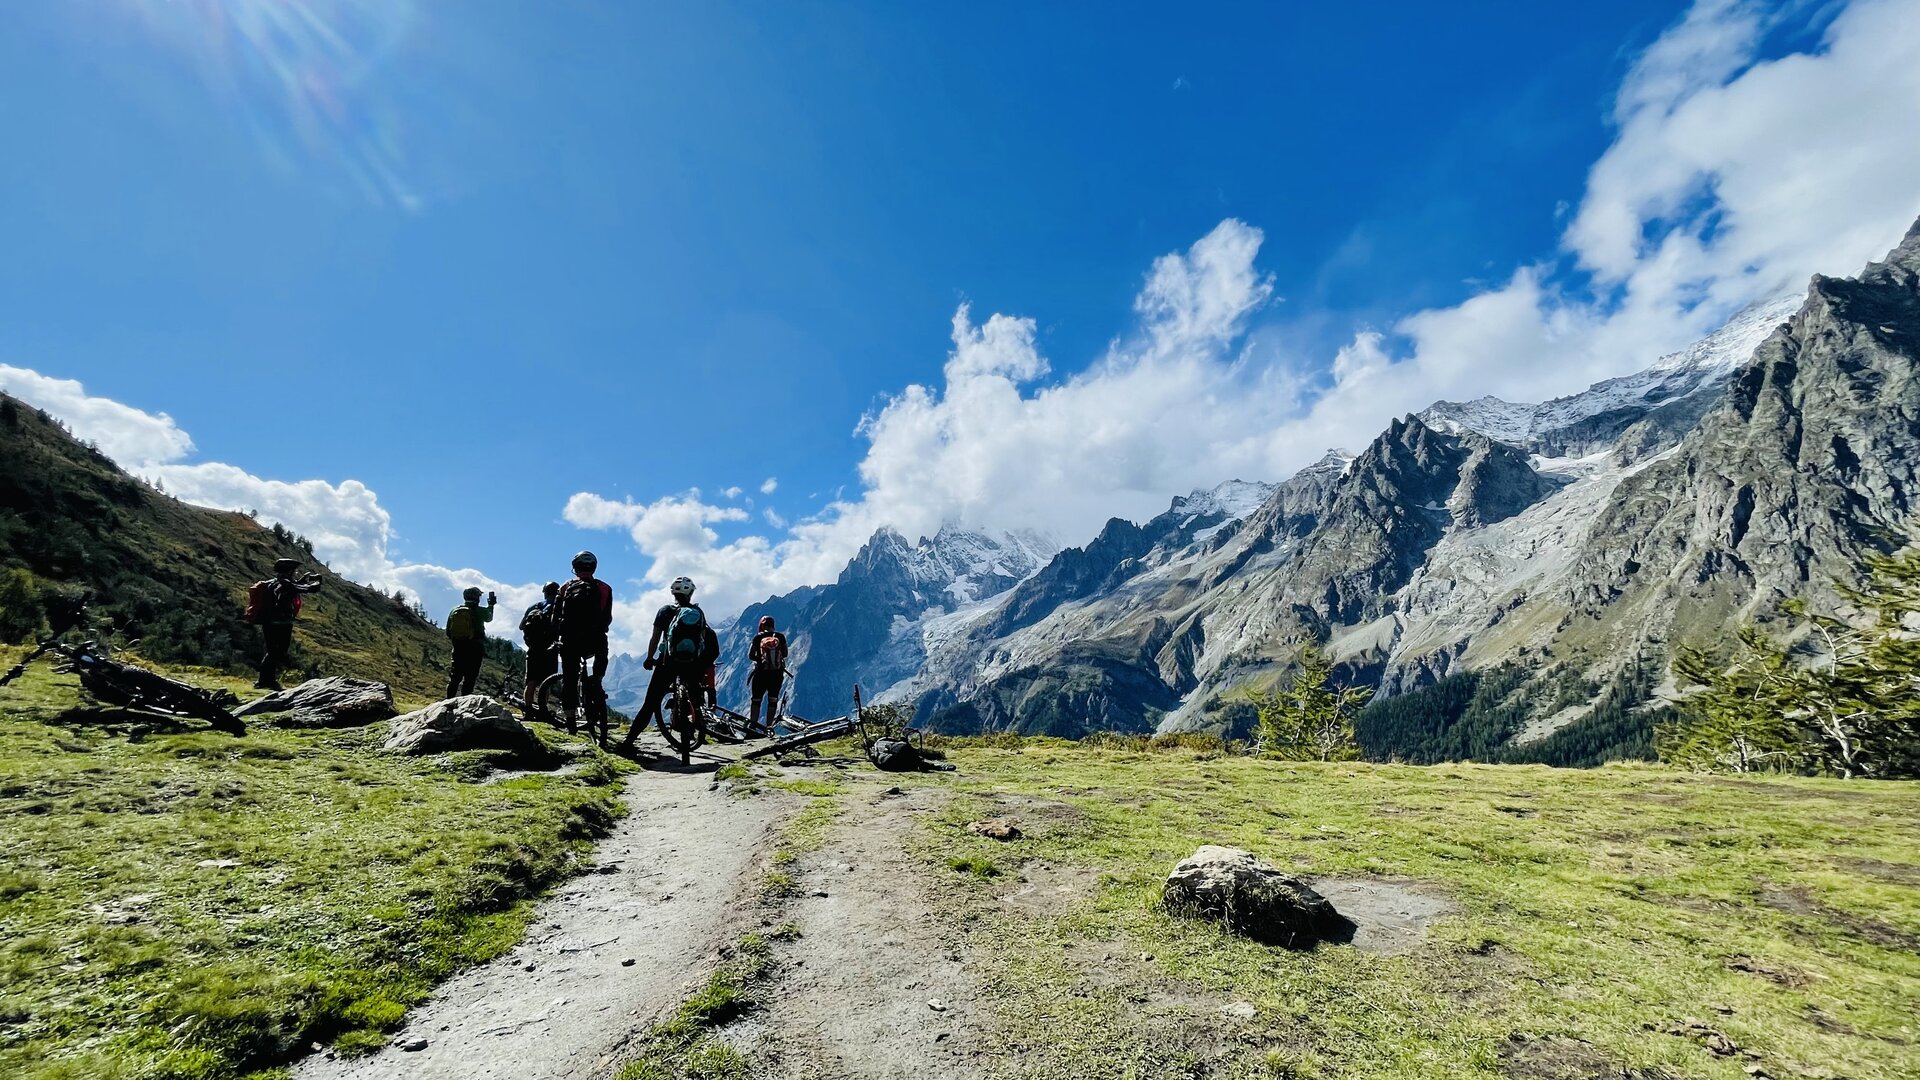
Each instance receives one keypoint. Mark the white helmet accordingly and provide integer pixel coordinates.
(681, 588)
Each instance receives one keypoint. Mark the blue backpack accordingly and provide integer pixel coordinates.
(687, 636)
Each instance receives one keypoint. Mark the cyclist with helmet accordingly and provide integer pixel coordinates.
(767, 654)
(682, 639)
(280, 598)
(537, 630)
(583, 612)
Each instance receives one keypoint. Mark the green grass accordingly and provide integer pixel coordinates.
(684, 1045)
(1611, 906)
(358, 879)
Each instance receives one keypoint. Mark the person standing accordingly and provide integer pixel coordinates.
(768, 655)
(273, 605)
(467, 629)
(663, 659)
(583, 612)
(536, 629)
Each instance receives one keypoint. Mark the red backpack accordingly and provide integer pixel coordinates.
(259, 597)
(260, 602)
(770, 651)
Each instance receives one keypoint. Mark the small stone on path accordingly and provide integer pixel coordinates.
(628, 962)
(414, 1046)
(937, 1005)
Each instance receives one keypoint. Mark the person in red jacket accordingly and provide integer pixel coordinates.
(768, 655)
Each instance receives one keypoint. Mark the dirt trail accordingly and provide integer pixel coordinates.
(874, 988)
(609, 949)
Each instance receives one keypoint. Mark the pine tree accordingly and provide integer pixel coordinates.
(1843, 699)
(1310, 720)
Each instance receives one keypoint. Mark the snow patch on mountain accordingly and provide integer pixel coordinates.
(1233, 499)
(1670, 378)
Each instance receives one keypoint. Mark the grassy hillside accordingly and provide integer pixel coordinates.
(175, 576)
(1628, 921)
(190, 907)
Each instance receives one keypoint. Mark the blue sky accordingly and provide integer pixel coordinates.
(481, 258)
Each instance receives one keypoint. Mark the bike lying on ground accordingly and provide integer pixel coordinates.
(115, 683)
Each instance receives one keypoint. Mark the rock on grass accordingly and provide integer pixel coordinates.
(1252, 898)
(474, 722)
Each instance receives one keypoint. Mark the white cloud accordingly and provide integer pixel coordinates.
(769, 485)
(733, 492)
(348, 527)
(1729, 180)
(123, 433)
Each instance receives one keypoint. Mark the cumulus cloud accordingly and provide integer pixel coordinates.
(122, 432)
(348, 527)
(1730, 179)
(769, 485)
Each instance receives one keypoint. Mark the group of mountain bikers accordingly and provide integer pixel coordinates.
(565, 633)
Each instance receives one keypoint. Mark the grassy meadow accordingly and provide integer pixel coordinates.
(1623, 921)
(192, 905)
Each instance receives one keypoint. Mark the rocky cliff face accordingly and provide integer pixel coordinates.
(1586, 532)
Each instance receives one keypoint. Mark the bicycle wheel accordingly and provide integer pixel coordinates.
(550, 699)
(680, 726)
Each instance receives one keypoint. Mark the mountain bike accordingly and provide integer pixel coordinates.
(113, 682)
(589, 708)
(684, 718)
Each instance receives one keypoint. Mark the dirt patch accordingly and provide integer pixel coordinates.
(1037, 818)
(1898, 873)
(1518, 811)
(1388, 916)
(1797, 901)
(1557, 1057)
(874, 986)
(1778, 974)
(1045, 889)
(1115, 967)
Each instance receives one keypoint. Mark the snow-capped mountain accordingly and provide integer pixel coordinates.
(869, 626)
(1574, 538)
(1682, 385)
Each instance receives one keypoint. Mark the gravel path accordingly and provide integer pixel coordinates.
(610, 949)
(875, 987)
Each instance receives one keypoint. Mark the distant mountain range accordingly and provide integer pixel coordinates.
(1583, 535)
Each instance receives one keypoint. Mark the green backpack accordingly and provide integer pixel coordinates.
(461, 625)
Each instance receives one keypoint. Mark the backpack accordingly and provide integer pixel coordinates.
(264, 601)
(537, 624)
(580, 617)
(259, 601)
(461, 625)
(687, 636)
(771, 653)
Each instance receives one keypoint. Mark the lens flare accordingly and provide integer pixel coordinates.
(314, 81)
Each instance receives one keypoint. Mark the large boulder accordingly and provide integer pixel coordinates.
(473, 722)
(1249, 897)
(335, 701)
